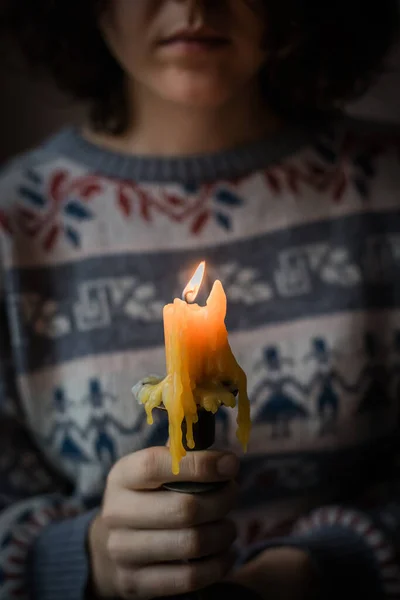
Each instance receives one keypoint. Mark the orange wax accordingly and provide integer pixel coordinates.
(199, 361)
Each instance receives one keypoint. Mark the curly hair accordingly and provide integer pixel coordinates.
(320, 57)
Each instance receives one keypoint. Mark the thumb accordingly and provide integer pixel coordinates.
(151, 468)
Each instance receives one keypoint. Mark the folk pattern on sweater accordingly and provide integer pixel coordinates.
(313, 314)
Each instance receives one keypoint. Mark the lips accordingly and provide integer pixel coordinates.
(199, 37)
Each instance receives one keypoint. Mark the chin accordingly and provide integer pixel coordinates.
(197, 94)
(204, 101)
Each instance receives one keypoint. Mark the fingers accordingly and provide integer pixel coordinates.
(151, 467)
(168, 510)
(169, 580)
(153, 533)
(127, 547)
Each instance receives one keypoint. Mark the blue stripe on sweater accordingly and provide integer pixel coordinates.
(114, 303)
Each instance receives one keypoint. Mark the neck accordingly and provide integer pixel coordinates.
(164, 128)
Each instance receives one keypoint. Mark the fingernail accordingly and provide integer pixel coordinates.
(228, 465)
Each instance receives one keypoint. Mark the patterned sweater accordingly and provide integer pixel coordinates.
(303, 229)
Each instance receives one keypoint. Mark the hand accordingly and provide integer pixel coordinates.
(141, 542)
(279, 573)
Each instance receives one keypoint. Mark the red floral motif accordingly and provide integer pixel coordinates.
(332, 169)
(48, 209)
(42, 213)
(135, 199)
(57, 207)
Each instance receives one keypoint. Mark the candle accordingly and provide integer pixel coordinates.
(202, 371)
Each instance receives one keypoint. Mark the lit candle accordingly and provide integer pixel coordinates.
(201, 368)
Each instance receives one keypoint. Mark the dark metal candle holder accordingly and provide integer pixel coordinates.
(204, 438)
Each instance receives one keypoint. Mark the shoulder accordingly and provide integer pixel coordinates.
(361, 155)
(37, 158)
(37, 163)
(13, 172)
(359, 141)
(13, 175)
(29, 180)
(31, 168)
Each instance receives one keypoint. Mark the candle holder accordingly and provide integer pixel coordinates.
(203, 434)
(204, 438)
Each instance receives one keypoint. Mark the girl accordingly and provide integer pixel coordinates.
(215, 133)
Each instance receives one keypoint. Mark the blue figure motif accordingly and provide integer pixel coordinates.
(328, 400)
(105, 449)
(71, 452)
(98, 427)
(375, 375)
(97, 396)
(278, 409)
(60, 401)
(104, 444)
(69, 449)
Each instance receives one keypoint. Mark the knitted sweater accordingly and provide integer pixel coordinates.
(303, 229)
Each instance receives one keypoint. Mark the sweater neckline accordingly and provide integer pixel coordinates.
(192, 169)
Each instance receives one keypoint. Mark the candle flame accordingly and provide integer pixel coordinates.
(192, 289)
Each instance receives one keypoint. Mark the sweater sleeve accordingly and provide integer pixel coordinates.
(43, 525)
(354, 551)
(348, 544)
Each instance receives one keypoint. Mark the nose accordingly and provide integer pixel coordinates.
(198, 7)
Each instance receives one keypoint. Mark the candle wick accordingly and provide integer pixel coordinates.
(186, 296)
